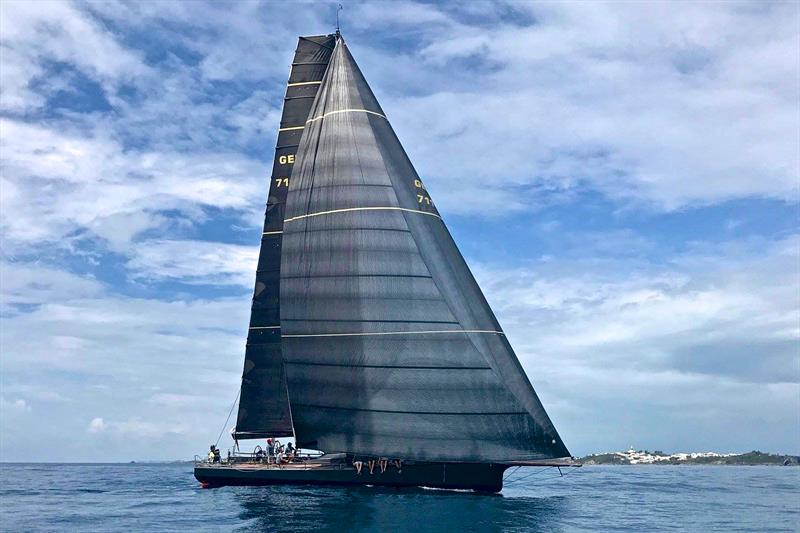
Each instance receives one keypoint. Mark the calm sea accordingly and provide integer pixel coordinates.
(152, 497)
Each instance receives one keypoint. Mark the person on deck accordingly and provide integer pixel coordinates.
(279, 452)
(211, 454)
(270, 451)
(217, 455)
(289, 451)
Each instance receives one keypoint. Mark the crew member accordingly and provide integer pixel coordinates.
(270, 450)
(289, 451)
(279, 452)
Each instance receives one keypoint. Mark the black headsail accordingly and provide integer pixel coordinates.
(264, 405)
(390, 348)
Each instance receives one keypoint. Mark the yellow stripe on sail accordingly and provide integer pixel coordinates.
(351, 209)
(346, 111)
(299, 83)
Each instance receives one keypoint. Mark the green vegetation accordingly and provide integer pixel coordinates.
(640, 457)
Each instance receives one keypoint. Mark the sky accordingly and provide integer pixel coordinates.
(623, 180)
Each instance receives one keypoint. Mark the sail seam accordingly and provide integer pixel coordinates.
(356, 276)
(361, 334)
(264, 327)
(350, 209)
(271, 232)
(346, 111)
(341, 185)
(299, 83)
(317, 230)
(447, 413)
(292, 128)
(406, 367)
(371, 321)
(380, 297)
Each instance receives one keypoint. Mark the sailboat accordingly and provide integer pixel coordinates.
(369, 339)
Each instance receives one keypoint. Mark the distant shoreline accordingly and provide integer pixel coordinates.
(645, 457)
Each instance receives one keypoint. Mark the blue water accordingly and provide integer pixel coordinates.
(142, 497)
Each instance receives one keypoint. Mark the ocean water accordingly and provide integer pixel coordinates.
(165, 497)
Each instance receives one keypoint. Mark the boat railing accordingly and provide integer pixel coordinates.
(251, 458)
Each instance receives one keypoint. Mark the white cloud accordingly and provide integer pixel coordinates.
(195, 262)
(78, 326)
(130, 335)
(37, 32)
(608, 315)
(97, 425)
(157, 373)
(628, 100)
(706, 343)
(16, 406)
(56, 183)
(33, 284)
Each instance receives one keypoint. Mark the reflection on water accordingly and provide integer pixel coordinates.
(380, 509)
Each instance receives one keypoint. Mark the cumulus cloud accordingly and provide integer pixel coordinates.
(35, 33)
(711, 335)
(58, 184)
(627, 100)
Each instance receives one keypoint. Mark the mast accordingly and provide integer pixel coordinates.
(264, 408)
(389, 346)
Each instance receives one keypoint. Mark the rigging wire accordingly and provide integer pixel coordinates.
(509, 474)
(526, 476)
(513, 482)
(221, 431)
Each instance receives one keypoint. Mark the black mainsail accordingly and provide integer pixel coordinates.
(386, 346)
(264, 408)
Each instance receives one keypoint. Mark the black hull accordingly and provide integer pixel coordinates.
(466, 476)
